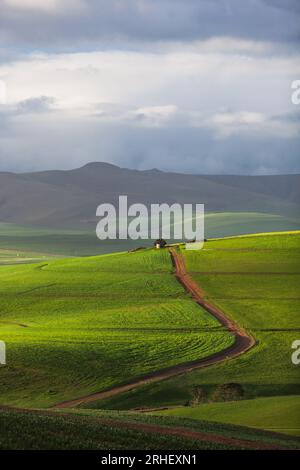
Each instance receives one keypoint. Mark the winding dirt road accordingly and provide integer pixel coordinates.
(243, 342)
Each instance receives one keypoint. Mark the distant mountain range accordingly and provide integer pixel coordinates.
(70, 198)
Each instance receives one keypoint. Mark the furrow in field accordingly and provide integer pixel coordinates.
(243, 342)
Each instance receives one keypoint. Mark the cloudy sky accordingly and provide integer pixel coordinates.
(198, 86)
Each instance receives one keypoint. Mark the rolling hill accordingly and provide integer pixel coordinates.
(95, 430)
(254, 280)
(78, 326)
(68, 199)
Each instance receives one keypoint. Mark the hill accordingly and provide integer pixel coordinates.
(70, 198)
(74, 327)
(279, 414)
(38, 430)
(254, 280)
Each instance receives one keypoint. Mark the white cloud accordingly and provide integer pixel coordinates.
(223, 44)
(236, 119)
(3, 94)
(201, 80)
(47, 6)
(251, 124)
(141, 108)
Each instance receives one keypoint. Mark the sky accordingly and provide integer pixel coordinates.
(196, 86)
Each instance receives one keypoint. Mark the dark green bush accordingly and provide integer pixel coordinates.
(199, 395)
(228, 392)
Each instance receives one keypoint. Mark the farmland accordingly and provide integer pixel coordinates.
(20, 429)
(77, 326)
(71, 242)
(8, 257)
(254, 280)
(279, 414)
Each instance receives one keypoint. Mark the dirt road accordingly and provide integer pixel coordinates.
(243, 342)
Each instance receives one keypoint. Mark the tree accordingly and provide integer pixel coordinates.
(199, 396)
(228, 392)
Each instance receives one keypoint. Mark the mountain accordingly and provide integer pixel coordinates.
(70, 198)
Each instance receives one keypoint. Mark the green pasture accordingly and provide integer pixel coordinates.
(71, 242)
(277, 414)
(8, 257)
(86, 429)
(261, 293)
(77, 326)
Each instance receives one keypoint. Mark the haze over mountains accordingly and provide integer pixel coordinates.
(70, 198)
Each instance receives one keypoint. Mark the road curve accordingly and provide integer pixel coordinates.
(243, 342)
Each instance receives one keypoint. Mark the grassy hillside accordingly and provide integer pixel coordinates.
(21, 257)
(280, 414)
(80, 325)
(255, 280)
(57, 241)
(99, 430)
(77, 326)
(222, 224)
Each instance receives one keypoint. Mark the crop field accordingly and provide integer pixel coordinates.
(255, 281)
(222, 224)
(277, 414)
(57, 241)
(71, 242)
(96, 430)
(8, 257)
(77, 326)
(260, 299)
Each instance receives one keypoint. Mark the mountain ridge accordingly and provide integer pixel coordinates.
(69, 198)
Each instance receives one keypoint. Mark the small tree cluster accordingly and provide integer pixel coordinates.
(228, 392)
(199, 395)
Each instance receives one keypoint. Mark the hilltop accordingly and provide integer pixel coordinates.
(68, 199)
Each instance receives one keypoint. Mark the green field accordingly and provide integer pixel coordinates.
(279, 414)
(77, 326)
(255, 281)
(102, 430)
(80, 325)
(56, 241)
(85, 243)
(8, 257)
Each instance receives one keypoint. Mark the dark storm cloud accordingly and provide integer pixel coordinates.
(147, 20)
(291, 5)
(290, 117)
(34, 145)
(35, 105)
(167, 100)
